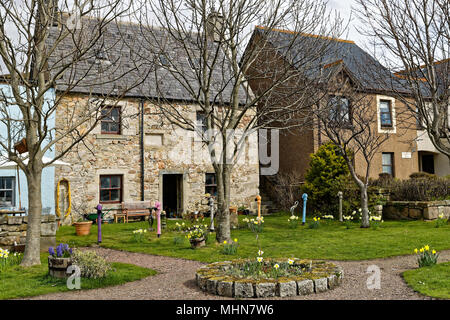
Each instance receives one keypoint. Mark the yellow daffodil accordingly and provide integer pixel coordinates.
(225, 242)
(433, 252)
(421, 250)
(427, 247)
(235, 239)
(415, 250)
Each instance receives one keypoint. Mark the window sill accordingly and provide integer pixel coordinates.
(111, 137)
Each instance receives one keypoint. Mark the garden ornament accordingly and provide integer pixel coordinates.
(293, 208)
(258, 200)
(305, 199)
(340, 195)
(158, 218)
(99, 223)
(211, 209)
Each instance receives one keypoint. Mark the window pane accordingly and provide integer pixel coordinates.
(8, 183)
(386, 119)
(104, 195)
(387, 169)
(115, 182)
(105, 182)
(115, 195)
(387, 159)
(113, 127)
(384, 106)
(105, 126)
(210, 178)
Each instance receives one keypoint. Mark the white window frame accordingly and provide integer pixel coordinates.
(394, 120)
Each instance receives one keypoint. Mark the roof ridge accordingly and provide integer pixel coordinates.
(307, 34)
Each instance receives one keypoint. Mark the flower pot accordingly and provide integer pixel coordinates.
(197, 243)
(57, 267)
(83, 228)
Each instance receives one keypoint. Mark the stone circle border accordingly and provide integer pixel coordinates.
(210, 278)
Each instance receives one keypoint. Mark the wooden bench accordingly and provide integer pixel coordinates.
(135, 209)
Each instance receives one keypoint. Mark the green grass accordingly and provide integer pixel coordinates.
(431, 281)
(19, 282)
(330, 241)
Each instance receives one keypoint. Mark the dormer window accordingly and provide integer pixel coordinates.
(339, 112)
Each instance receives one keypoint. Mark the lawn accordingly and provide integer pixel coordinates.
(331, 241)
(19, 282)
(431, 281)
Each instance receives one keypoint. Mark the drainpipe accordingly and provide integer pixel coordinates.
(141, 145)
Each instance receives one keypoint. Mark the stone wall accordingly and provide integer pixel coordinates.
(414, 210)
(13, 231)
(167, 150)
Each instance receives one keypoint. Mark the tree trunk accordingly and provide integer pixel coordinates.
(223, 203)
(33, 241)
(364, 207)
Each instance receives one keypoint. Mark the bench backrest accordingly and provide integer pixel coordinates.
(138, 205)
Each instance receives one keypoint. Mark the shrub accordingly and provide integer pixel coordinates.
(420, 187)
(426, 257)
(315, 224)
(325, 167)
(91, 264)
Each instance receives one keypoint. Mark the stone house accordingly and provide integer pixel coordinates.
(134, 153)
(397, 156)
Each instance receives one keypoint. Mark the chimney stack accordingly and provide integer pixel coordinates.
(215, 26)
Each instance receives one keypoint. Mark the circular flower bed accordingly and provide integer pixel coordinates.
(269, 278)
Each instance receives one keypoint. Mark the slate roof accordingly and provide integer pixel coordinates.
(131, 55)
(339, 54)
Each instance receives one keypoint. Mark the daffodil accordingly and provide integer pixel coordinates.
(224, 241)
(260, 252)
(427, 247)
(235, 240)
(415, 250)
(276, 266)
(290, 261)
(259, 259)
(433, 252)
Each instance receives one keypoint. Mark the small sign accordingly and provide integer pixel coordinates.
(406, 155)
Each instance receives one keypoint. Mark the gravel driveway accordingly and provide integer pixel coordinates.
(175, 280)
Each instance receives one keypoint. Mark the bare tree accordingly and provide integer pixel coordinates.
(41, 50)
(414, 36)
(348, 118)
(213, 36)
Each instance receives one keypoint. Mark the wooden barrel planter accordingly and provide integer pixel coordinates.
(57, 267)
(83, 228)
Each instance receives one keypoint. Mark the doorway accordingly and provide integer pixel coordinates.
(428, 163)
(173, 195)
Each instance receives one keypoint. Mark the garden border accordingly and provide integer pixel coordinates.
(211, 279)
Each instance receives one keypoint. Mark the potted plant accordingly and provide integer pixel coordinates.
(59, 260)
(82, 227)
(197, 237)
(242, 210)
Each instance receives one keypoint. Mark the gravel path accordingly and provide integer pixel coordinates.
(175, 280)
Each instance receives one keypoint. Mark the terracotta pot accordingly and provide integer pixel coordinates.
(197, 243)
(83, 228)
(57, 267)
